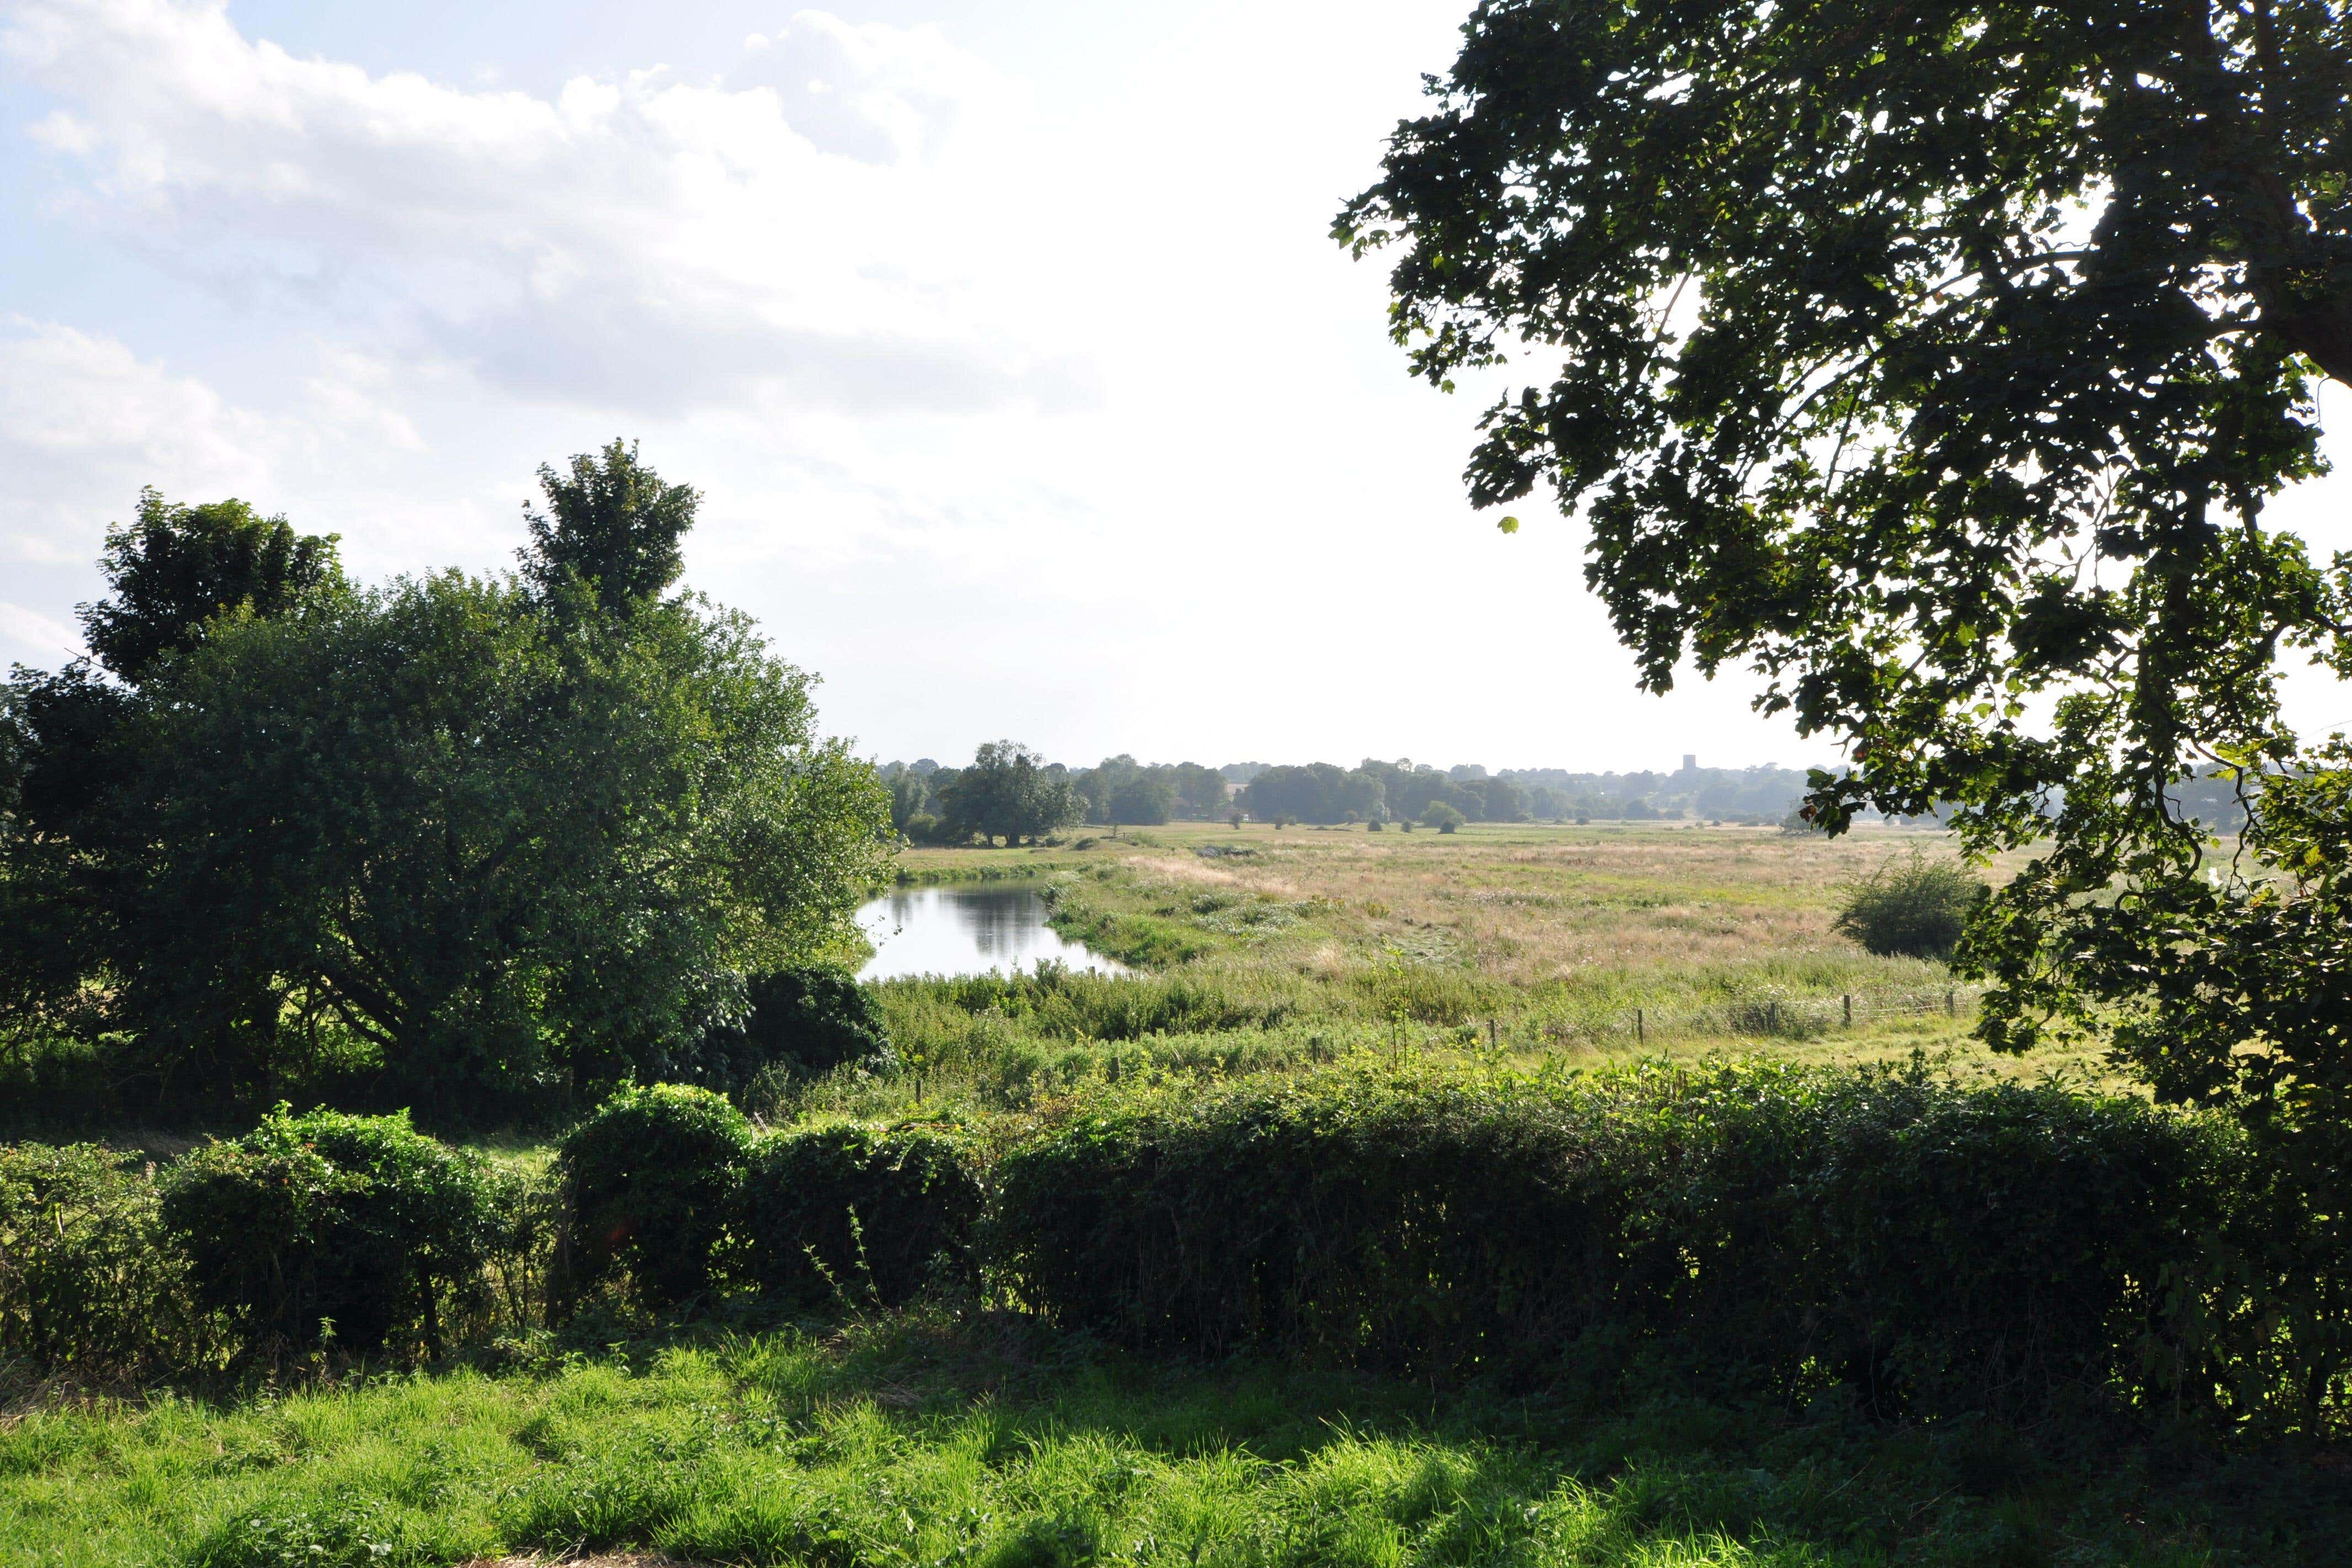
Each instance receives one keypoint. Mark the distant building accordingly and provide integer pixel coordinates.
(1690, 761)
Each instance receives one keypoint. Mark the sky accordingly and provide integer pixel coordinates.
(1027, 392)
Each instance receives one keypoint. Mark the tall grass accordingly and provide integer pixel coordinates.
(914, 1442)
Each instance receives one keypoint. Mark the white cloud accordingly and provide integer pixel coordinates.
(84, 423)
(646, 243)
(1040, 407)
(29, 637)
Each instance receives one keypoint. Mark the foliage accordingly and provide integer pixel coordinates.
(1442, 817)
(90, 1288)
(1009, 791)
(867, 1214)
(1319, 792)
(180, 567)
(612, 526)
(1913, 907)
(360, 1222)
(626, 813)
(648, 1179)
(1184, 789)
(1761, 1227)
(804, 1020)
(1142, 802)
(1945, 380)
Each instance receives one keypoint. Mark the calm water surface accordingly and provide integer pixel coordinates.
(966, 930)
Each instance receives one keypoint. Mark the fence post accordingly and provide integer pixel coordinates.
(1493, 1042)
(1952, 1003)
(1848, 1000)
(1641, 1033)
(1771, 1017)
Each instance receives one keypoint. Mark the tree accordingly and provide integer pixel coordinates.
(1505, 801)
(1145, 800)
(497, 842)
(1009, 791)
(178, 567)
(1105, 780)
(71, 830)
(1939, 363)
(611, 525)
(1319, 792)
(909, 795)
(1200, 791)
(1442, 817)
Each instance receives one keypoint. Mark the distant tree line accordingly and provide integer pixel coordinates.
(1011, 794)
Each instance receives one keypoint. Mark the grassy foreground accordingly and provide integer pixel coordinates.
(921, 1441)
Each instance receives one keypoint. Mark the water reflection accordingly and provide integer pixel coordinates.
(967, 931)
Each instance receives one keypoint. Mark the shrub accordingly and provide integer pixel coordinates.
(869, 1212)
(1912, 908)
(804, 1021)
(90, 1286)
(358, 1220)
(1442, 817)
(1763, 1229)
(648, 1177)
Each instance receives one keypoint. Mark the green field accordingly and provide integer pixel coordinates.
(963, 1431)
(1579, 945)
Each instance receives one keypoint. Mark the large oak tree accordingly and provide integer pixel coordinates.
(1938, 358)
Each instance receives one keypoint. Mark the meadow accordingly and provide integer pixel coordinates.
(1580, 945)
(961, 1428)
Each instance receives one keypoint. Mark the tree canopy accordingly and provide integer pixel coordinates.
(1011, 792)
(1938, 361)
(179, 568)
(493, 835)
(1318, 792)
(612, 525)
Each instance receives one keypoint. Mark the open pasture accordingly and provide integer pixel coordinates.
(1595, 941)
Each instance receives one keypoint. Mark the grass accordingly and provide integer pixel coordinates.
(964, 1436)
(929, 1440)
(1263, 949)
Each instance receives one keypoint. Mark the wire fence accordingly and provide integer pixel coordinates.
(1767, 1017)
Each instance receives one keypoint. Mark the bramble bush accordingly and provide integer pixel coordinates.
(91, 1288)
(873, 1214)
(360, 1222)
(1911, 908)
(649, 1178)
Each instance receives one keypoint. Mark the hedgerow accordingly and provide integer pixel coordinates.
(1920, 1246)
(358, 1222)
(1928, 1247)
(648, 1179)
(91, 1286)
(872, 1214)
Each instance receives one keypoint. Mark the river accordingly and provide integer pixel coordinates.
(967, 929)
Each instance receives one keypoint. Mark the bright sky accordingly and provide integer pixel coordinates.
(1028, 394)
